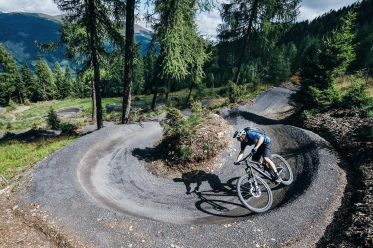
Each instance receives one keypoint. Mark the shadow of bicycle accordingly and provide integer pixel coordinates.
(221, 200)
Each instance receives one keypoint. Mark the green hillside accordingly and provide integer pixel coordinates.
(18, 32)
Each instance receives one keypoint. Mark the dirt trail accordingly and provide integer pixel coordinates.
(96, 192)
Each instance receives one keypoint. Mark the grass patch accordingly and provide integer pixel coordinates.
(219, 103)
(254, 92)
(18, 156)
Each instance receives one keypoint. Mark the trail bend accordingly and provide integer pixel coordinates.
(100, 192)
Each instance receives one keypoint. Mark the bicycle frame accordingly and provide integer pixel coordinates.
(256, 166)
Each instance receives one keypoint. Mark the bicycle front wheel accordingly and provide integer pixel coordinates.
(254, 193)
(283, 168)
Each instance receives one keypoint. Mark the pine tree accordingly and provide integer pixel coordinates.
(322, 67)
(176, 32)
(19, 89)
(68, 82)
(113, 74)
(149, 71)
(82, 86)
(59, 80)
(8, 76)
(261, 20)
(98, 21)
(338, 49)
(27, 77)
(128, 61)
(138, 71)
(45, 87)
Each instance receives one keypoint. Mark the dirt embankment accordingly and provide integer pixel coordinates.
(350, 132)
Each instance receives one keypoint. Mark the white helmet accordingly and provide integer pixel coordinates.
(239, 133)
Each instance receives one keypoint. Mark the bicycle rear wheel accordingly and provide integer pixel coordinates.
(254, 193)
(286, 173)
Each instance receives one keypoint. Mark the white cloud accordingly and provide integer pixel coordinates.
(307, 13)
(311, 9)
(31, 6)
(207, 22)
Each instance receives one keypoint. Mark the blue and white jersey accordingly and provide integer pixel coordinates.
(252, 138)
(255, 136)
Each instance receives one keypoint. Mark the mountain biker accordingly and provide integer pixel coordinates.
(262, 147)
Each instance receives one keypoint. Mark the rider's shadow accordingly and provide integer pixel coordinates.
(208, 202)
(197, 177)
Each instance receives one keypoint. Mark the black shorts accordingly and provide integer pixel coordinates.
(264, 150)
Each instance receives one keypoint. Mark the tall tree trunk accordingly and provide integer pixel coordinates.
(190, 93)
(96, 67)
(246, 39)
(94, 105)
(191, 88)
(94, 109)
(45, 92)
(167, 87)
(128, 67)
(20, 97)
(156, 79)
(155, 94)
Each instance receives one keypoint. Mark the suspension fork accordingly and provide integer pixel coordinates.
(249, 170)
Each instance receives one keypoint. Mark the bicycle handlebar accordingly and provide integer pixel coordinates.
(245, 158)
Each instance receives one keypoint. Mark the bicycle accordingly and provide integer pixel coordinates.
(253, 191)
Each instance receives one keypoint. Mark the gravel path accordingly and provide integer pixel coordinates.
(96, 190)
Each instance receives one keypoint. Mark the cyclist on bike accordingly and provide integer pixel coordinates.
(262, 147)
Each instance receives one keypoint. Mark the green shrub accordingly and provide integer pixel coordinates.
(68, 128)
(368, 110)
(235, 92)
(12, 105)
(195, 118)
(27, 102)
(158, 111)
(185, 152)
(356, 95)
(218, 104)
(223, 91)
(327, 98)
(52, 119)
(175, 125)
(200, 91)
(308, 113)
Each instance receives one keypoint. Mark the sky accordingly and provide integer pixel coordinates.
(207, 22)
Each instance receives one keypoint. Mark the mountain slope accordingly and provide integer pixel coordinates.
(18, 32)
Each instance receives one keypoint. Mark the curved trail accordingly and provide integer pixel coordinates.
(101, 192)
